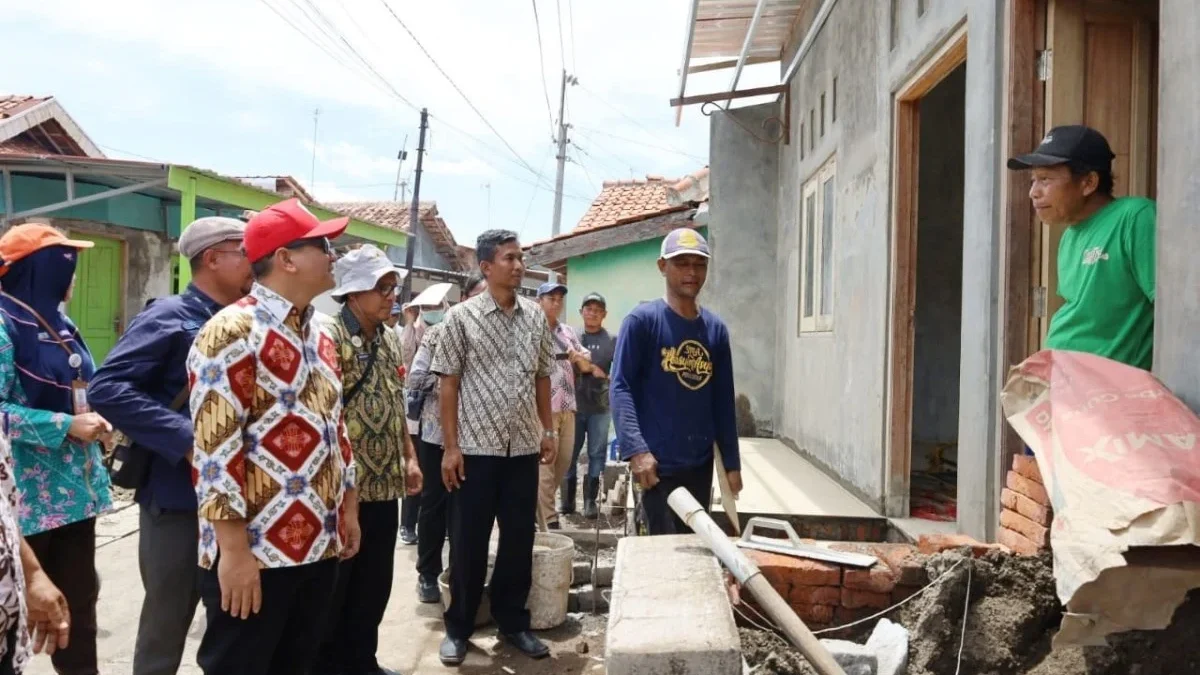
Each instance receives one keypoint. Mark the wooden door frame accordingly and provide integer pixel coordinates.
(905, 186)
(122, 317)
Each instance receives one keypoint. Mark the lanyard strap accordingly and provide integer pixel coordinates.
(49, 329)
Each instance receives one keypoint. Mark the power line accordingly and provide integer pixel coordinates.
(644, 144)
(562, 51)
(571, 17)
(532, 197)
(455, 85)
(537, 24)
(626, 115)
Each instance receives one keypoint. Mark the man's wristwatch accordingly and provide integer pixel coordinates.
(552, 435)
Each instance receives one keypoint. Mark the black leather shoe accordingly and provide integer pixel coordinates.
(408, 536)
(527, 644)
(428, 591)
(453, 651)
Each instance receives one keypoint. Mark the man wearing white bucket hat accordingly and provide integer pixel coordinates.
(373, 403)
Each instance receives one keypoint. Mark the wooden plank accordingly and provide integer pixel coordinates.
(1066, 39)
(1034, 339)
(928, 75)
(1108, 80)
(903, 301)
(1019, 220)
(550, 252)
(1142, 123)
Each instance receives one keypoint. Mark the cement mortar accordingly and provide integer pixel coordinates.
(1014, 614)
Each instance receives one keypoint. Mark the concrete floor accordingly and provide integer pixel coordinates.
(409, 636)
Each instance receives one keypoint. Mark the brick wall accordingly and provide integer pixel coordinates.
(825, 595)
(1026, 515)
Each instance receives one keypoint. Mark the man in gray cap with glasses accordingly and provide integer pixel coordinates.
(372, 367)
(142, 389)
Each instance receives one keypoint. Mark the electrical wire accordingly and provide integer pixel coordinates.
(641, 143)
(962, 638)
(537, 24)
(455, 86)
(626, 115)
(562, 50)
(571, 19)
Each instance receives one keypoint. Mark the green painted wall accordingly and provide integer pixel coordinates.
(625, 276)
(140, 212)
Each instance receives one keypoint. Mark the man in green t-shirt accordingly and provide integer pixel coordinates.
(1106, 254)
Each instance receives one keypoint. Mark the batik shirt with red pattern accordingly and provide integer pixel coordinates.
(271, 448)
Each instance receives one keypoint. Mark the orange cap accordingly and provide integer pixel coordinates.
(24, 240)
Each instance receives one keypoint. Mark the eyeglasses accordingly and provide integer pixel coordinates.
(322, 243)
(388, 290)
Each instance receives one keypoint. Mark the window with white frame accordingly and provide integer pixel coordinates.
(816, 250)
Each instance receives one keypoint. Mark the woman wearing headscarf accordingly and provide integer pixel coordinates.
(44, 370)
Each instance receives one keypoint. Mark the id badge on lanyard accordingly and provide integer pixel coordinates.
(79, 397)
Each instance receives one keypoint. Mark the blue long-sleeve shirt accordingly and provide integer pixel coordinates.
(139, 381)
(671, 389)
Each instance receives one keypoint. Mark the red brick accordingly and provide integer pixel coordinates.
(1025, 527)
(877, 579)
(901, 593)
(852, 599)
(1042, 515)
(1017, 542)
(814, 595)
(930, 544)
(1027, 466)
(845, 615)
(814, 614)
(1022, 485)
(904, 560)
(785, 571)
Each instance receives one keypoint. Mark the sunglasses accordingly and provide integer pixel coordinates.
(322, 243)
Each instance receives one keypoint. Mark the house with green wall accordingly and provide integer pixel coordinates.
(50, 172)
(614, 249)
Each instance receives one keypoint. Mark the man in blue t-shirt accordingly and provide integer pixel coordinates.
(672, 388)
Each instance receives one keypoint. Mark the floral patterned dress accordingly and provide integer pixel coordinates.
(14, 634)
(59, 480)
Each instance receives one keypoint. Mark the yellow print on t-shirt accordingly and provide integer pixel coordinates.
(690, 363)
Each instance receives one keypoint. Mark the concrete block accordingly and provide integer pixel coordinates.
(889, 643)
(669, 611)
(854, 658)
(603, 577)
(588, 599)
(580, 572)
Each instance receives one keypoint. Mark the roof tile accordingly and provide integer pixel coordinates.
(395, 215)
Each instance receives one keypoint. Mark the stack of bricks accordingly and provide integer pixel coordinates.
(825, 595)
(1026, 515)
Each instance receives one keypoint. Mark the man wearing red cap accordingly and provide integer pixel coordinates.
(274, 474)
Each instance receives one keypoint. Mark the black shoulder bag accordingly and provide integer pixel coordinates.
(128, 464)
(349, 395)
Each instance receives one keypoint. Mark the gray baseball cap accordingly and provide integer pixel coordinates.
(204, 233)
(684, 241)
(360, 270)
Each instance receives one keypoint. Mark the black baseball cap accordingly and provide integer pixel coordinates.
(1073, 143)
(593, 297)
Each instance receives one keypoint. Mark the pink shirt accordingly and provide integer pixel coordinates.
(562, 376)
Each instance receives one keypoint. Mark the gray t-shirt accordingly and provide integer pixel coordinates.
(591, 392)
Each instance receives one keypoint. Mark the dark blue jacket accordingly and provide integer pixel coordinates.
(672, 389)
(140, 379)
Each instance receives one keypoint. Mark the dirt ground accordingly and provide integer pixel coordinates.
(1013, 616)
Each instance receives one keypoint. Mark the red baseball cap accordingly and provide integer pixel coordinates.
(284, 223)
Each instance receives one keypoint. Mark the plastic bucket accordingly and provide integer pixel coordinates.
(482, 617)
(553, 559)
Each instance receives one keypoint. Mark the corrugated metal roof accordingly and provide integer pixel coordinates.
(720, 26)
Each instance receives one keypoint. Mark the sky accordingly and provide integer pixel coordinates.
(232, 86)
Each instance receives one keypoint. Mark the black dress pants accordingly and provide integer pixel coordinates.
(284, 637)
(364, 584)
(503, 489)
(660, 519)
(68, 555)
(431, 525)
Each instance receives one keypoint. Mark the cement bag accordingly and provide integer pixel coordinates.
(1119, 458)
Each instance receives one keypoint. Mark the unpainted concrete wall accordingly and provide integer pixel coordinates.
(831, 388)
(147, 256)
(938, 319)
(743, 234)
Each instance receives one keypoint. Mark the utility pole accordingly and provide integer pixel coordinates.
(312, 176)
(414, 210)
(399, 167)
(562, 152)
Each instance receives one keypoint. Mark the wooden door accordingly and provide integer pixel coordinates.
(96, 303)
(1102, 72)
